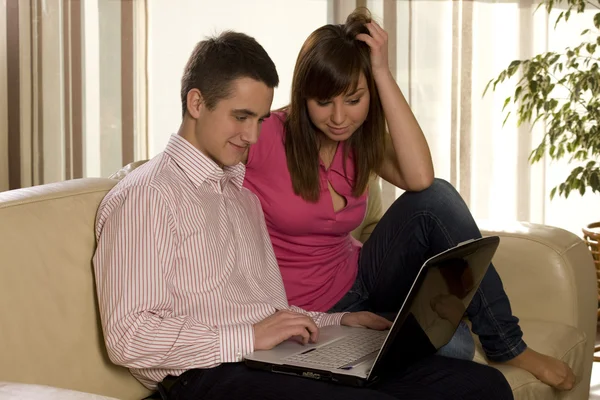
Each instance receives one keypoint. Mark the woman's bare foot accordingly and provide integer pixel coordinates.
(547, 369)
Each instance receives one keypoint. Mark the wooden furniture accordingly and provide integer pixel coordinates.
(591, 235)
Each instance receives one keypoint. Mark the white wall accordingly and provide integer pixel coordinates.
(281, 26)
(503, 187)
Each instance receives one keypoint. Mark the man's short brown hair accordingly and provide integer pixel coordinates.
(217, 61)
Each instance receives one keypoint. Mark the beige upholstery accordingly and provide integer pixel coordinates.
(49, 327)
(549, 276)
(50, 332)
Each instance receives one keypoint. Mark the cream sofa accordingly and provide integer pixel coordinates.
(50, 333)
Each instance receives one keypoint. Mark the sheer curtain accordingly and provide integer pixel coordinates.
(72, 89)
(88, 86)
(444, 54)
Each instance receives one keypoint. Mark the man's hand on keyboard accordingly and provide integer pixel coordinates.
(281, 326)
(365, 319)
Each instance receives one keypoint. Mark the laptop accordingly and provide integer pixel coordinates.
(426, 321)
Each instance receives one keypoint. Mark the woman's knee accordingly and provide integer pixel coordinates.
(441, 188)
(440, 195)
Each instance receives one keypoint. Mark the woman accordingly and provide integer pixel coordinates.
(310, 169)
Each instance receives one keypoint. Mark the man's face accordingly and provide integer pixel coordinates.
(225, 132)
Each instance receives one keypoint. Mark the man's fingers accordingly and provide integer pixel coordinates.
(285, 314)
(296, 318)
(311, 329)
(314, 336)
(298, 332)
(300, 325)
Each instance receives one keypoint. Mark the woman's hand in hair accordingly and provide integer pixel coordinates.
(378, 42)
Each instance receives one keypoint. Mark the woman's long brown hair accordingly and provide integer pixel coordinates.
(329, 64)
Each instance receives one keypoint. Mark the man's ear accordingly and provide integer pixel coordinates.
(195, 103)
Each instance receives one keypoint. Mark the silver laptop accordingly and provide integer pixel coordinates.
(426, 321)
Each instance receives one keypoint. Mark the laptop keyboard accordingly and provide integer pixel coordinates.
(343, 351)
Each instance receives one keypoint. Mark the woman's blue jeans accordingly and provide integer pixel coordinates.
(417, 226)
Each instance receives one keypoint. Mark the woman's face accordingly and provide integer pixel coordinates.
(338, 118)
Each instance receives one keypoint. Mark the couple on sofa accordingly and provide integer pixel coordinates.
(237, 236)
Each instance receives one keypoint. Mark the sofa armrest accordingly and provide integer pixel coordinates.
(548, 273)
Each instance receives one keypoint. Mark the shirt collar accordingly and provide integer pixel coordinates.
(198, 167)
(337, 163)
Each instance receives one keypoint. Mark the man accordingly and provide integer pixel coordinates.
(186, 276)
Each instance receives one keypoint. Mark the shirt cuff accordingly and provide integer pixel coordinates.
(331, 319)
(235, 341)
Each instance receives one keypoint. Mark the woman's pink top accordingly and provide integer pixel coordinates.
(317, 255)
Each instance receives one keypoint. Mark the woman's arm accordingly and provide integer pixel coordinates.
(407, 160)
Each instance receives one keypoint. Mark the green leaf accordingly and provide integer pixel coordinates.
(591, 48)
(548, 4)
(552, 193)
(506, 118)
(506, 101)
(513, 67)
(518, 91)
(487, 87)
(560, 16)
(594, 181)
(577, 171)
(597, 20)
(585, 31)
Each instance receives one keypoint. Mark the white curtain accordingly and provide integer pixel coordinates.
(88, 86)
(72, 89)
(445, 53)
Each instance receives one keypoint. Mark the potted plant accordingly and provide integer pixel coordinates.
(572, 121)
(562, 91)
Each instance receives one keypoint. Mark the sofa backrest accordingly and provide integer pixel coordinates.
(49, 324)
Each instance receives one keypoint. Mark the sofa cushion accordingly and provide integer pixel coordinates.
(49, 321)
(552, 338)
(22, 391)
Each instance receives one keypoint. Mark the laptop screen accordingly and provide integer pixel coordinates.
(446, 292)
(437, 302)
